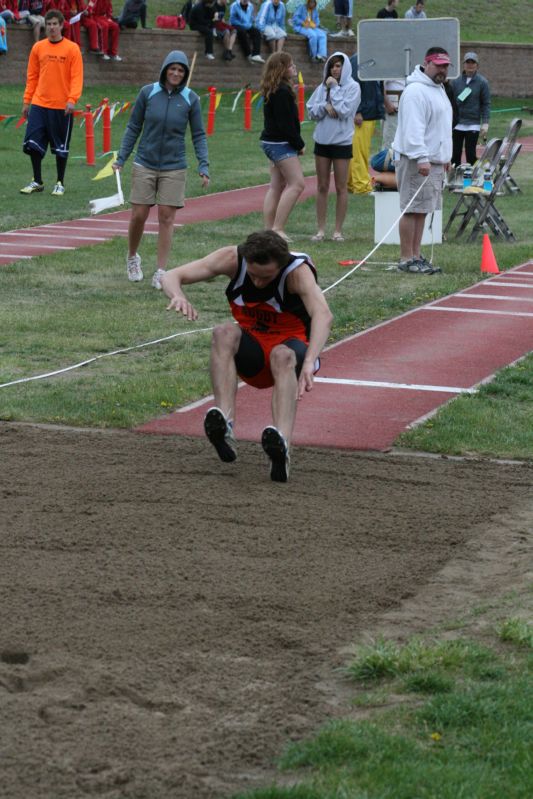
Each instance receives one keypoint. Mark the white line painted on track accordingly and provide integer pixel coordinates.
(469, 294)
(381, 384)
(473, 310)
(101, 221)
(36, 246)
(88, 228)
(14, 255)
(513, 285)
(45, 235)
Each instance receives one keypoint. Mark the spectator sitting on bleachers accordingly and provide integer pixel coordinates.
(89, 23)
(271, 22)
(9, 10)
(224, 31)
(306, 22)
(134, 11)
(242, 17)
(201, 19)
(31, 13)
(108, 29)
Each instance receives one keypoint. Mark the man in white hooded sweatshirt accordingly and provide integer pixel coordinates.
(423, 144)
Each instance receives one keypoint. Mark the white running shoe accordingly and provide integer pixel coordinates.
(210, 56)
(116, 58)
(32, 187)
(133, 266)
(106, 57)
(156, 279)
(257, 59)
(58, 190)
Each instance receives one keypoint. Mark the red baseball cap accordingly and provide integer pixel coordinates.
(438, 58)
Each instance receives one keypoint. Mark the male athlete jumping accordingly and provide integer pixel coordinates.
(283, 322)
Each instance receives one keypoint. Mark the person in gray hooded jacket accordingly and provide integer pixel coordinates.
(333, 105)
(160, 116)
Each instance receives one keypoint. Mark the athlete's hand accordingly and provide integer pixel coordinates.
(183, 306)
(306, 379)
(424, 168)
(205, 181)
(25, 110)
(116, 167)
(69, 108)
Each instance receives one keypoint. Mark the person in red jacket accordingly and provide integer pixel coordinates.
(89, 23)
(54, 85)
(108, 28)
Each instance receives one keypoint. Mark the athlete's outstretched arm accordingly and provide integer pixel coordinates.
(302, 282)
(219, 262)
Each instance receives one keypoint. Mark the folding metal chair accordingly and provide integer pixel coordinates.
(480, 205)
(488, 161)
(509, 140)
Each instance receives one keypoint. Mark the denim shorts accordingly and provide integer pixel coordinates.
(278, 151)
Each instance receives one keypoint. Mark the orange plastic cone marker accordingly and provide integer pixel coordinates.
(488, 261)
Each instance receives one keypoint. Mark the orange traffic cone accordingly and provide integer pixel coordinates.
(488, 261)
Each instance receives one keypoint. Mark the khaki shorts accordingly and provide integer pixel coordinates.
(154, 187)
(430, 197)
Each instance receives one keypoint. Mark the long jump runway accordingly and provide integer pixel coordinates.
(374, 385)
(28, 243)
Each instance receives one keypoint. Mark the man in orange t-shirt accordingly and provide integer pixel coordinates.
(53, 87)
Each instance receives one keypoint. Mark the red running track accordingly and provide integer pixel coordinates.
(69, 235)
(381, 381)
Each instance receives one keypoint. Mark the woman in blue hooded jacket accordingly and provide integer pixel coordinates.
(306, 22)
(161, 115)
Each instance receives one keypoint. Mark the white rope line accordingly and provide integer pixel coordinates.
(365, 259)
(204, 329)
(103, 355)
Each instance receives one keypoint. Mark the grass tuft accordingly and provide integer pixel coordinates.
(517, 631)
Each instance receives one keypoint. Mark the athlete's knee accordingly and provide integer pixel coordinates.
(282, 359)
(226, 338)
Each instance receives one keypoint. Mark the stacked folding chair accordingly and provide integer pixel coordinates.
(510, 185)
(479, 206)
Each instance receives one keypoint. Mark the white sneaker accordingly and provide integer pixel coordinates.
(349, 32)
(32, 187)
(116, 58)
(58, 190)
(156, 279)
(106, 57)
(133, 266)
(257, 59)
(210, 56)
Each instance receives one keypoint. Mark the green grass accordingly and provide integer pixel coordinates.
(450, 718)
(480, 20)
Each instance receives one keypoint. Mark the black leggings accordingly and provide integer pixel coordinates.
(469, 138)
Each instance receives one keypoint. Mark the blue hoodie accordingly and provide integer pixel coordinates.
(163, 116)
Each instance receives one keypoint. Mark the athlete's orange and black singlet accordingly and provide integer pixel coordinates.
(268, 316)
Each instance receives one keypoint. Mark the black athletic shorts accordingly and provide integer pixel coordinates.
(48, 126)
(252, 360)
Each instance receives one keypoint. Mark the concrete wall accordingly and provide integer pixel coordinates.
(508, 67)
